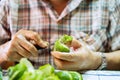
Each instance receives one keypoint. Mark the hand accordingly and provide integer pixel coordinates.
(80, 59)
(75, 44)
(23, 45)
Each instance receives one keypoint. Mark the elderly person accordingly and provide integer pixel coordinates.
(27, 23)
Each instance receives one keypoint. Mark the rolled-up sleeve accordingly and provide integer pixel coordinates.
(4, 23)
(115, 26)
(107, 38)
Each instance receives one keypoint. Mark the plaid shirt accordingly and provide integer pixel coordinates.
(97, 22)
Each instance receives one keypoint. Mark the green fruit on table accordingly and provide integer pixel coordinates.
(24, 70)
(1, 75)
(75, 75)
(47, 69)
(64, 75)
(52, 77)
(15, 72)
(36, 75)
(69, 75)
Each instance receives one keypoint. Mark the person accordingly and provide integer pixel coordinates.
(94, 25)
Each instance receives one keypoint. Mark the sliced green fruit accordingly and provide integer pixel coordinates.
(1, 75)
(66, 38)
(60, 47)
(28, 64)
(15, 72)
(47, 69)
(36, 75)
(25, 71)
(60, 44)
(52, 77)
(75, 75)
(64, 75)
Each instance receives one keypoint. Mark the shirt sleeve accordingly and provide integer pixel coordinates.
(115, 26)
(4, 25)
(107, 39)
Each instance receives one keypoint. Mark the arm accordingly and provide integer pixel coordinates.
(4, 33)
(85, 59)
(113, 60)
(113, 33)
(22, 43)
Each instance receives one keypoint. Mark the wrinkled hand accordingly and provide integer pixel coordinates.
(80, 59)
(23, 45)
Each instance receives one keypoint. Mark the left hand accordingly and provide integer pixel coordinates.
(81, 59)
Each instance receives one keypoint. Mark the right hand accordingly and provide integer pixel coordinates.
(21, 46)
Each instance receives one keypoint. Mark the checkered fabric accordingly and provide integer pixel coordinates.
(97, 22)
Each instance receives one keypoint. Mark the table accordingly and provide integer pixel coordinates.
(97, 75)
(101, 75)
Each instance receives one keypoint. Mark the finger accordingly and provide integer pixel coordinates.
(27, 45)
(35, 37)
(65, 56)
(39, 41)
(65, 65)
(23, 51)
(75, 43)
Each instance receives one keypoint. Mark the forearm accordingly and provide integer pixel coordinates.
(2, 54)
(2, 59)
(4, 63)
(113, 60)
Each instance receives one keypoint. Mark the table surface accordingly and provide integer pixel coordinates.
(101, 75)
(97, 75)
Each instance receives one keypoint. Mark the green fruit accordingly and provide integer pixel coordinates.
(28, 64)
(25, 71)
(47, 69)
(52, 77)
(75, 75)
(1, 75)
(60, 47)
(64, 75)
(36, 75)
(15, 72)
(65, 39)
(60, 44)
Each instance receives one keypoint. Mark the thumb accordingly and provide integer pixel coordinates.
(65, 56)
(75, 44)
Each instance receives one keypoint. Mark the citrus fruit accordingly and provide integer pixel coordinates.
(75, 75)
(64, 75)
